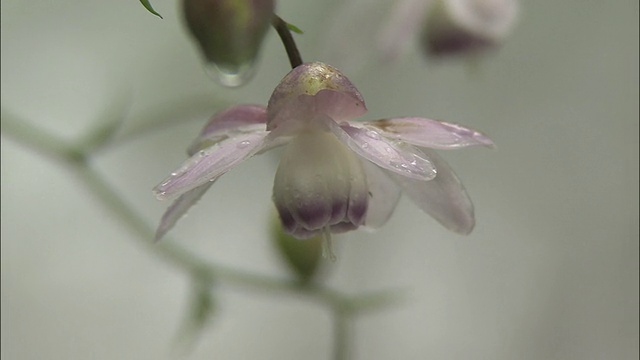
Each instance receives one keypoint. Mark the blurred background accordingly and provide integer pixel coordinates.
(550, 272)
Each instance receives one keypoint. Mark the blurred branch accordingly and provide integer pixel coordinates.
(343, 306)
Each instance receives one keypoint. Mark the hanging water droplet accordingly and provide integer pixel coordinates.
(230, 76)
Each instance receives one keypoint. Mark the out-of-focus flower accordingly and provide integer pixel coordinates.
(383, 29)
(229, 33)
(335, 174)
(450, 27)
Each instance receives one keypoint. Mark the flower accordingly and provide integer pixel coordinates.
(335, 174)
(450, 27)
(383, 29)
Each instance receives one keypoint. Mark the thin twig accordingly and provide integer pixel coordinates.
(287, 40)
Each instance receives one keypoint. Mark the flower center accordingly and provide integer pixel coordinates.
(319, 183)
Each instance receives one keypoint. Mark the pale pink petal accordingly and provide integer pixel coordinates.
(405, 21)
(399, 158)
(384, 195)
(179, 208)
(444, 198)
(429, 133)
(239, 118)
(207, 164)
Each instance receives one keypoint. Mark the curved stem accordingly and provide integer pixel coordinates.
(287, 40)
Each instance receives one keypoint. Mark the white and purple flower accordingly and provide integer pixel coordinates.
(335, 174)
(449, 27)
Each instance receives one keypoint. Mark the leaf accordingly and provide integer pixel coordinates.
(294, 28)
(147, 5)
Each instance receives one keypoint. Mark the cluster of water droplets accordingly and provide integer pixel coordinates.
(412, 162)
(160, 191)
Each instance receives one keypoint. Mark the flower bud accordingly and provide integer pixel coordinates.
(463, 27)
(229, 33)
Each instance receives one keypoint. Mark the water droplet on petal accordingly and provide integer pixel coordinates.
(160, 195)
(373, 134)
(230, 76)
(243, 144)
(365, 145)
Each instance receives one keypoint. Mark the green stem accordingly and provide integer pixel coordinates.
(341, 333)
(287, 40)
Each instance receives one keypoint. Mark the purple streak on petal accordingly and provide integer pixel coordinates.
(206, 165)
(239, 118)
(179, 208)
(401, 159)
(311, 213)
(384, 195)
(430, 133)
(289, 224)
(444, 198)
(406, 20)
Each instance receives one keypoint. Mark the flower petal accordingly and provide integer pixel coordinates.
(207, 164)
(179, 208)
(399, 158)
(384, 195)
(239, 118)
(429, 133)
(444, 198)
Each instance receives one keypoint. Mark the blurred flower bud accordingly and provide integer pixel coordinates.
(229, 33)
(302, 256)
(465, 27)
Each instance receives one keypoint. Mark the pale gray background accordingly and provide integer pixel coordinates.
(550, 272)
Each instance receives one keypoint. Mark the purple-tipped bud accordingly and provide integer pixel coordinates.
(465, 27)
(229, 33)
(320, 186)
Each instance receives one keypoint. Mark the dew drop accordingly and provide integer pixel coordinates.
(365, 145)
(230, 76)
(244, 144)
(373, 134)
(160, 195)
